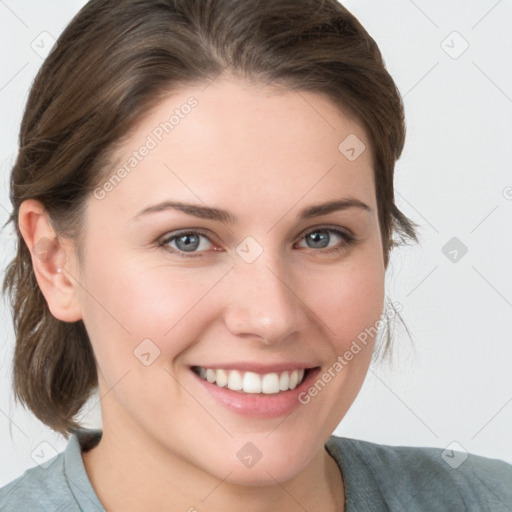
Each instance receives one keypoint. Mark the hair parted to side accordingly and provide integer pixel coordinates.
(113, 63)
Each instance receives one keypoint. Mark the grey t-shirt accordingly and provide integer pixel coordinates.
(377, 478)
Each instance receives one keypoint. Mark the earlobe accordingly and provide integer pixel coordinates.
(53, 262)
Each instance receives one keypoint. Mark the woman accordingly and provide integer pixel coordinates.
(204, 202)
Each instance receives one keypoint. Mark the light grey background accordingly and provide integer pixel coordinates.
(454, 388)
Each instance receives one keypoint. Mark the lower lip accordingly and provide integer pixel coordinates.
(259, 404)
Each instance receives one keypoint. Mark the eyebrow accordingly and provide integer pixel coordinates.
(207, 212)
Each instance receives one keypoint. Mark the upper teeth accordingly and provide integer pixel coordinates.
(251, 382)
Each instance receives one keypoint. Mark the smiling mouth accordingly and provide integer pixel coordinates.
(251, 382)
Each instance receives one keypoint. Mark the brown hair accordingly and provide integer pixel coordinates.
(114, 62)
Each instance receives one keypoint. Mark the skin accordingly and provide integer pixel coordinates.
(264, 156)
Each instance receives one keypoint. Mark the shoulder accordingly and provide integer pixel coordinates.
(40, 488)
(423, 476)
(60, 484)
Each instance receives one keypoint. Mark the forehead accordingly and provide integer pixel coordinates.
(242, 143)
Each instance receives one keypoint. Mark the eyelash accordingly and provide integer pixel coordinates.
(348, 241)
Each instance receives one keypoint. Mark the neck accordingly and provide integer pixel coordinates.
(130, 472)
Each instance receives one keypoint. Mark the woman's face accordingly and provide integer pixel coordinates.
(256, 287)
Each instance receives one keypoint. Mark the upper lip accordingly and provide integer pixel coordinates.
(259, 368)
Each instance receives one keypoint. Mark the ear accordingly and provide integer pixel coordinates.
(53, 260)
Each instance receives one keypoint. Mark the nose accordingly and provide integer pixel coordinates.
(262, 303)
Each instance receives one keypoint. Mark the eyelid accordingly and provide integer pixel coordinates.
(171, 235)
(321, 227)
(209, 235)
(345, 233)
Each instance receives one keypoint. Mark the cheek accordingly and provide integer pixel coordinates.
(348, 301)
(348, 310)
(128, 302)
